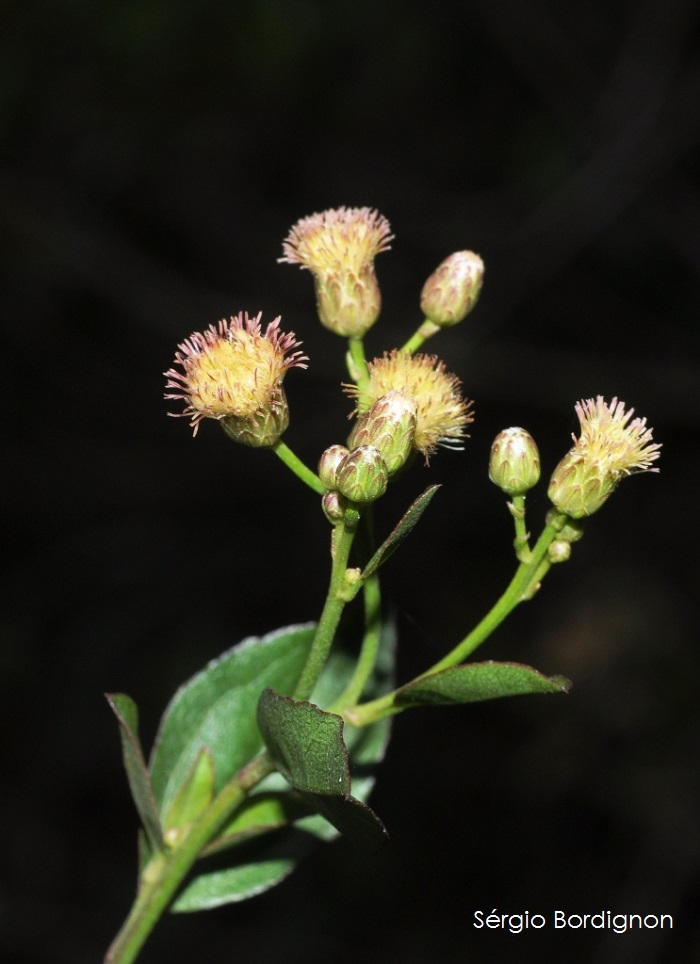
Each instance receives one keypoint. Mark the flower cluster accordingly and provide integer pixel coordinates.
(405, 402)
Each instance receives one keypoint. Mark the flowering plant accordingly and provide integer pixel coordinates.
(274, 744)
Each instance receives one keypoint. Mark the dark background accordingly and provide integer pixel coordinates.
(154, 155)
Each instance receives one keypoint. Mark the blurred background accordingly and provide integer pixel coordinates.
(153, 157)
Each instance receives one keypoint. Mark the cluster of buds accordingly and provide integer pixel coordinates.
(378, 448)
(405, 403)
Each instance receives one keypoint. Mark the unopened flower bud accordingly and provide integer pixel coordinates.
(328, 464)
(339, 247)
(609, 448)
(514, 465)
(390, 426)
(559, 551)
(453, 289)
(334, 506)
(362, 476)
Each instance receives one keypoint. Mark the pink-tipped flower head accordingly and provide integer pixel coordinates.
(233, 372)
(441, 411)
(611, 445)
(339, 247)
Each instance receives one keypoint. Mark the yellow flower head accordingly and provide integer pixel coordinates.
(339, 247)
(233, 372)
(611, 446)
(442, 413)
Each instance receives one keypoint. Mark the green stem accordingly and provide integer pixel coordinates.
(368, 650)
(522, 536)
(301, 470)
(357, 364)
(372, 619)
(522, 587)
(166, 871)
(343, 536)
(426, 330)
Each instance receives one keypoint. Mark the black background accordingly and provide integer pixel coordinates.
(154, 156)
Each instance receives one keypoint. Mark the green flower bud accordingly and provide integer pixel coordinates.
(452, 290)
(334, 506)
(578, 487)
(514, 465)
(390, 426)
(362, 476)
(328, 464)
(559, 551)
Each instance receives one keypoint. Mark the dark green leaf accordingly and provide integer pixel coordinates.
(307, 746)
(352, 818)
(126, 713)
(474, 682)
(404, 527)
(216, 709)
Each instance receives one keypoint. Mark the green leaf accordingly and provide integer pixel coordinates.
(307, 746)
(261, 812)
(399, 533)
(127, 714)
(258, 870)
(261, 853)
(216, 709)
(195, 794)
(475, 682)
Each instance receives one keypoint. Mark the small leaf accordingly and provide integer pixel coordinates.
(216, 709)
(475, 682)
(127, 714)
(307, 745)
(195, 794)
(252, 875)
(399, 533)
